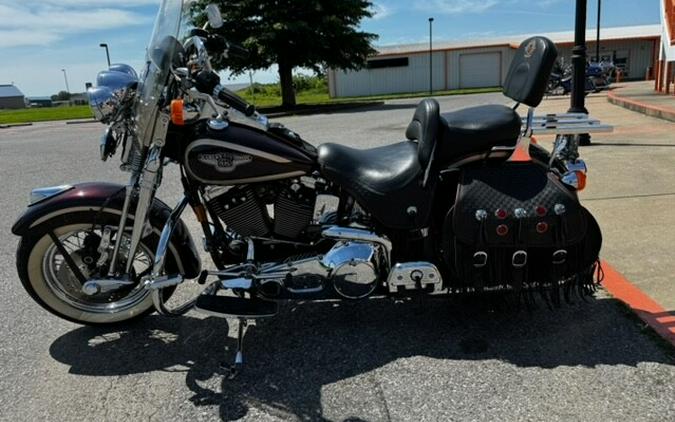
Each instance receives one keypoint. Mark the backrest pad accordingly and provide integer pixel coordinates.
(424, 128)
(530, 70)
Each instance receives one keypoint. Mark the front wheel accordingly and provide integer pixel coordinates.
(46, 276)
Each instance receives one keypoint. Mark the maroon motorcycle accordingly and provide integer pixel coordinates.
(464, 205)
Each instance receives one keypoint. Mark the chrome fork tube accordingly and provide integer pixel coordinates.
(165, 238)
(120, 229)
(147, 187)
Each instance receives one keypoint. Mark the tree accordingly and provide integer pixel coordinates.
(61, 96)
(294, 33)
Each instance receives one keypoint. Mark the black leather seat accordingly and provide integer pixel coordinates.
(476, 130)
(370, 172)
(388, 181)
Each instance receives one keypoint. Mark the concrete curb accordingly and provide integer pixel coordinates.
(648, 310)
(15, 125)
(80, 122)
(664, 113)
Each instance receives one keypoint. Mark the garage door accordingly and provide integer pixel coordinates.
(480, 70)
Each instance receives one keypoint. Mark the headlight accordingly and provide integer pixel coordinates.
(103, 103)
(114, 89)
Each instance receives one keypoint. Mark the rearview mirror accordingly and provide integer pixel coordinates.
(214, 15)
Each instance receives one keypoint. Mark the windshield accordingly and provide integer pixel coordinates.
(171, 27)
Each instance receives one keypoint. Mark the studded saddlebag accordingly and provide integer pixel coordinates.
(516, 226)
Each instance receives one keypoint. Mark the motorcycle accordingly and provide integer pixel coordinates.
(560, 80)
(465, 205)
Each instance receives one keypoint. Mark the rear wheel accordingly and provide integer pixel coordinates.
(47, 277)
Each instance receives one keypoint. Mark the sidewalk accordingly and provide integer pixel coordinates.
(631, 191)
(642, 98)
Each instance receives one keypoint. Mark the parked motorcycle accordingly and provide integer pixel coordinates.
(560, 80)
(465, 205)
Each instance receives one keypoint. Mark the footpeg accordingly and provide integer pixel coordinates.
(236, 307)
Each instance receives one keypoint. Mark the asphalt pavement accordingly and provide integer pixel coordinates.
(374, 360)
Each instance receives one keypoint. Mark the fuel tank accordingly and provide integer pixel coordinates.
(240, 154)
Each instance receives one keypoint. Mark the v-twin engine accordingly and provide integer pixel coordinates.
(352, 268)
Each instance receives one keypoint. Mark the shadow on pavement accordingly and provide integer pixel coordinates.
(289, 359)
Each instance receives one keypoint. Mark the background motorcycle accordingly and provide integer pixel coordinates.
(463, 205)
(560, 80)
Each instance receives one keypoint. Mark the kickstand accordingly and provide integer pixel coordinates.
(235, 369)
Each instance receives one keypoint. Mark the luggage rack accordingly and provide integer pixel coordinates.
(566, 124)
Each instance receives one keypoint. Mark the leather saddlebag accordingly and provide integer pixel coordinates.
(517, 227)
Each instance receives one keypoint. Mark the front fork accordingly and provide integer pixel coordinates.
(147, 182)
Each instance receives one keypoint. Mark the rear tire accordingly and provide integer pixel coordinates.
(56, 289)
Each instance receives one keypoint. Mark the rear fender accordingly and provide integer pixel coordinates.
(109, 197)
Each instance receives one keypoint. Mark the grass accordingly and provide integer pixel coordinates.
(270, 98)
(30, 115)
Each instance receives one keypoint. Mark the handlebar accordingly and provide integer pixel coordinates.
(208, 82)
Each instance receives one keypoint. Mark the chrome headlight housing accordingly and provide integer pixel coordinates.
(115, 88)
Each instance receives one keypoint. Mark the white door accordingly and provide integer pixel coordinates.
(480, 70)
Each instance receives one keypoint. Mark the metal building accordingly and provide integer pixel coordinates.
(11, 97)
(484, 63)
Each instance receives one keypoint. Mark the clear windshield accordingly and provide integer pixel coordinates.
(172, 25)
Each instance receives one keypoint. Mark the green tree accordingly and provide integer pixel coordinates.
(61, 96)
(312, 34)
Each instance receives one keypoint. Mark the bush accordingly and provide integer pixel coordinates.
(308, 83)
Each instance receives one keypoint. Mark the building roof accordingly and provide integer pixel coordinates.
(9, 91)
(606, 34)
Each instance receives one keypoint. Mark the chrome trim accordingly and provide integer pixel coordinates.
(159, 283)
(348, 233)
(42, 194)
(148, 185)
(165, 238)
(94, 287)
(403, 275)
(120, 229)
(123, 68)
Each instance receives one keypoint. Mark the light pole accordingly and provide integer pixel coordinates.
(65, 77)
(597, 35)
(431, 72)
(107, 53)
(577, 103)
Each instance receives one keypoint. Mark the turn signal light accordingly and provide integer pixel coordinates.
(177, 112)
(581, 177)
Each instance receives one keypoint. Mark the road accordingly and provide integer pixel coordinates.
(367, 361)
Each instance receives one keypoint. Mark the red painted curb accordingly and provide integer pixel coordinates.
(664, 113)
(653, 314)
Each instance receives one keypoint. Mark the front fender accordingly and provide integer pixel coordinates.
(99, 195)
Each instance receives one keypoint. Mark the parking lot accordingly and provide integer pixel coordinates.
(374, 360)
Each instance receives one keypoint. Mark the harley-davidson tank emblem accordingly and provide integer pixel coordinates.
(225, 162)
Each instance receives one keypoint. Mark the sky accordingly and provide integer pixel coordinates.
(39, 38)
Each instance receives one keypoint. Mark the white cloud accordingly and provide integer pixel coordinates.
(453, 7)
(47, 22)
(380, 11)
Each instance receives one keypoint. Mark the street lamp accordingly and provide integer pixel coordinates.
(597, 35)
(578, 99)
(65, 77)
(107, 53)
(431, 73)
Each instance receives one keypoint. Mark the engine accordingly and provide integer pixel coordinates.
(282, 209)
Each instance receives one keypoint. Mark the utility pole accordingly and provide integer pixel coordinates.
(65, 77)
(107, 52)
(578, 98)
(597, 35)
(431, 52)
